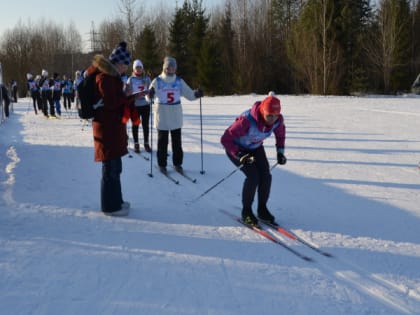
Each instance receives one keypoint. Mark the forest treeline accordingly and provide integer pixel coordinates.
(324, 47)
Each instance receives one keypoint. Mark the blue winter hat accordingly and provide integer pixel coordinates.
(120, 54)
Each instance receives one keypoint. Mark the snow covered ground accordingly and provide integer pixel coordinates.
(351, 186)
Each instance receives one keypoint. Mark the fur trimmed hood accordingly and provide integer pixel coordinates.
(104, 65)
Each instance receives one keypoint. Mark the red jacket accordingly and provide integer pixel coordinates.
(109, 132)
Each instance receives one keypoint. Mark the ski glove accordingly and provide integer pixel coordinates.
(152, 92)
(198, 93)
(245, 158)
(281, 159)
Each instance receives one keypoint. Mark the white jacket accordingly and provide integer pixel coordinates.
(169, 117)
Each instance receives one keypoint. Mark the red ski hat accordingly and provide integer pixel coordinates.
(270, 106)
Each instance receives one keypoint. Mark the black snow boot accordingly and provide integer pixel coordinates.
(265, 215)
(248, 217)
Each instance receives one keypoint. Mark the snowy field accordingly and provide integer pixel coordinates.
(351, 187)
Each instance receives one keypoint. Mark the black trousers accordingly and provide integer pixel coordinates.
(67, 100)
(36, 100)
(258, 177)
(15, 93)
(111, 195)
(47, 100)
(144, 113)
(162, 150)
(6, 106)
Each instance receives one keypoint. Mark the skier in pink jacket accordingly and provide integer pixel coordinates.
(243, 142)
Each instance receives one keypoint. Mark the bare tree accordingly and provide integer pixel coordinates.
(388, 39)
(313, 49)
(131, 15)
(110, 34)
(160, 18)
(31, 48)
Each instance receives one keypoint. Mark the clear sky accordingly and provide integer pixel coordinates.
(81, 12)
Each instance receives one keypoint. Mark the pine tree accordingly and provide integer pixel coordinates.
(351, 23)
(223, 34)
(186, 34)
(147, 47)
(196, 38)
(416, 40)
(179, 35)
(209, 67)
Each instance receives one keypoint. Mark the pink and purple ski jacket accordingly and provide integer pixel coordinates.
(249, 131)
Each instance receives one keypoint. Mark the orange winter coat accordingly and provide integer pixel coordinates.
(130, 112)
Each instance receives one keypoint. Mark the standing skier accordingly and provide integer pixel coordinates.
(46, 93)
(168, 116)
(34, 92)
(243, 142)
(14, 88)
(77, 80)
(67, 92)
(6, 99)
(56, 88)
(139, 83)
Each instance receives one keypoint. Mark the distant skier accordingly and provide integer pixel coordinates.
(14, 88)
(34, 92)
(46, 93)
(243, 142)
(67, 92)
(77, 80)
(5, 98)
(416, 85)
(56, 88)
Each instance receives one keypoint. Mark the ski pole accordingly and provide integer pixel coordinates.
(201, 138)
(224, 178)
(151, 137)
(215, 185)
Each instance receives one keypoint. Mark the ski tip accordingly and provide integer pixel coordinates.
(308, 258)
(194, 180)
(327, 255)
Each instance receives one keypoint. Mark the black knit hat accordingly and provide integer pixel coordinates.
(120, 54)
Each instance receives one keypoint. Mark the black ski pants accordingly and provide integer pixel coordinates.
(36, 100)
(162, 150)
(67, 100)
(47, 100)
(144, 113)
(258, 177)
